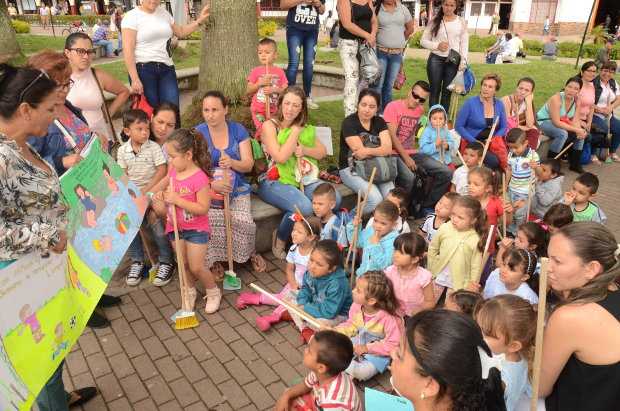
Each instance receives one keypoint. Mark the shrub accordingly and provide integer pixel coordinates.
(62, 20)
(20, 26)
(267, 28)
(414, 41)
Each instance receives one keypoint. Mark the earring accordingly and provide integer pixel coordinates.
(422, 396)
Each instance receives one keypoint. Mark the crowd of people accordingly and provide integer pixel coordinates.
(449, 306)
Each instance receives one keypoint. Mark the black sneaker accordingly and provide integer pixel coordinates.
(135, 273)
(97, 320)
(109, 301)
(164, 274)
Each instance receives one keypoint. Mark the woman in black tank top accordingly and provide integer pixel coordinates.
(581, 354)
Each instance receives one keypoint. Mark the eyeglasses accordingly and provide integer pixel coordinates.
(32, 83)
(82, 52)
(415, 96)
(591, 71)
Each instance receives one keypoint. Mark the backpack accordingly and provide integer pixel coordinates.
(422, 184)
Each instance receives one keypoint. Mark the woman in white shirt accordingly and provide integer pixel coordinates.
(606, 99)
(147, 31)
(445, 32)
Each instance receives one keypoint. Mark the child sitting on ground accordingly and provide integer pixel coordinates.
(399, 197)
(436, 141)
(463, 301)
(304, 238)
(412, 283)
(373, 325)
(144, 163)
(325, 292)
(530, 236)
(455, 254)
(377, 240)
(508, 324)
(327, 386)
(548, 187)
(443, 209)
(584, 188)
(521, 161)
(518, 266)
(265, 80)
(557, 217)
(471, 157)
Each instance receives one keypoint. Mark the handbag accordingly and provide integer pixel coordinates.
(115, 142)
(454, 57)
(386, 166)
(369, 70)
(139, 102)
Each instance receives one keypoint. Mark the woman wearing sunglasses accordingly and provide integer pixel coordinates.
(445, 364)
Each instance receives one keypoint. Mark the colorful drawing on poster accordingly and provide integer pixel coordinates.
(56, 294)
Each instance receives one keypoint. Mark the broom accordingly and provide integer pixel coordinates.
(231, 281)
(358, 214)
(290, 307)
(145, 245)
(557, 157)
(540, 322)
(357, 207)
(487, 245)
(488, 142)
(184, 318)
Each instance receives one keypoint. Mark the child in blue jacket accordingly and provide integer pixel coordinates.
(436, 141)
(325, 293)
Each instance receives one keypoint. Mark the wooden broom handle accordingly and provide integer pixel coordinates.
(540, 322)
(301, 313)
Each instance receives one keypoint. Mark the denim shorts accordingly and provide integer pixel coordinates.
(191, 236)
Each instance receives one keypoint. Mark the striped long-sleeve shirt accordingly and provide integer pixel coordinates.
(339, 394)
(521, 170)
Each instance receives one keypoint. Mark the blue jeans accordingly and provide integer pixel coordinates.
(519, 216)
(286, 197)
(601, 124)
(109, 46)
(119, 47)
(295, 40)
(156, 232)
(53, 396)
(390, 65)
(558, 136)
(440, 75)
(440, 173)
(356, 183)
(160, 83)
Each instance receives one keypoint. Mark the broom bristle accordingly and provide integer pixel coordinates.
(187, 320)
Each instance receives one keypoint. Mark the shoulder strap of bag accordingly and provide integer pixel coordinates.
(447, 35)
(104, 108)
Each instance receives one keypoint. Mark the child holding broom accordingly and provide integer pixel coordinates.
(187, 190)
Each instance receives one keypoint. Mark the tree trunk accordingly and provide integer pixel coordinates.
(229, 48)
(8, 42)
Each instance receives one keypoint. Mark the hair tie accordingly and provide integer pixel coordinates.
(296, 217)
(487, 362)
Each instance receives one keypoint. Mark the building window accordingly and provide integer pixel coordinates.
(269, 5)
(475, 9)
(489, 9)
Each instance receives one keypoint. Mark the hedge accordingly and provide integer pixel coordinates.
(62, 20)
(20, 27)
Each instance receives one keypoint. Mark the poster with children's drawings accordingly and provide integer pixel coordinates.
(46, 299)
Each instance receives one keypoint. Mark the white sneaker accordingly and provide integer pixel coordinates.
(311, 104)
(213, 298)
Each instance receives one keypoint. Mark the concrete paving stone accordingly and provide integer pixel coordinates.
(234, 395)
(192, 369)
(273, 287)
(134, 388)
(76, 363)
(197, 406)
(177, 349)
(121, 404)
(215, 370)
(121, 327)
(83, 380)
(205, 332)
(110, 345)
(250, 315)
(263, 372)
(140, 297)
(291, 334)
(96, 404)
(170, 406)
(273, 337)
(98, 364)
(250, 407)
(287, 372)
(212, 319)
(209, 393)
(199, 350)
(184, 392)
(159, 390)
(289, 352)
(221, 351)
(89, 344)
(259, 395)
(163, 329)
(145, 405)
(109, 388)
(112, 313)
(267, 352)
(168, 369)
(141, 329)
(276, 389)
(154, 348)
(121, 365)
(144, 367)
(232, 317)
(102, 332)
(278, 276)
(244, 351)
(168, 311)
(130, 311)
(249, 333)
(239, 371)
(131, 345)
(158, 298)
(150, 312)
(187, 335)
(174, 297)
(224, 407)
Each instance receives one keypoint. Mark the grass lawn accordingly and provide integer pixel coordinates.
(30, 43)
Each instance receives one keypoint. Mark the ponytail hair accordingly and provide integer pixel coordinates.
(380, 288)
(479, 216)
(190, 139)
(445, 345)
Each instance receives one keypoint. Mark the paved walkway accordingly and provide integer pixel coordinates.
(142, 363)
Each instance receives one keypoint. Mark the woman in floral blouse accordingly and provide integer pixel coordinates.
(32, 218)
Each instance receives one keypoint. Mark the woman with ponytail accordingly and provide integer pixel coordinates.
(445, 364)
(581, 354)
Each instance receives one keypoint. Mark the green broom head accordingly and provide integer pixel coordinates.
(231, 281)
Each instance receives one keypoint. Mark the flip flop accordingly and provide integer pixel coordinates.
(258, 263)
(81, 396)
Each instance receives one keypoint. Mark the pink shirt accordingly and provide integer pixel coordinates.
(585, 102)
(278, 79)
(409, 288)
(406, 120)
(188, 189)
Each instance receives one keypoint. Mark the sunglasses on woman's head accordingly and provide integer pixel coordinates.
(42, 73)
(415, 96)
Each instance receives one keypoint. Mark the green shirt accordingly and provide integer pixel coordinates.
(591, 213)
(286, 170)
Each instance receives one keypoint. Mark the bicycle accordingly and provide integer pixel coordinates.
(75, 27)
